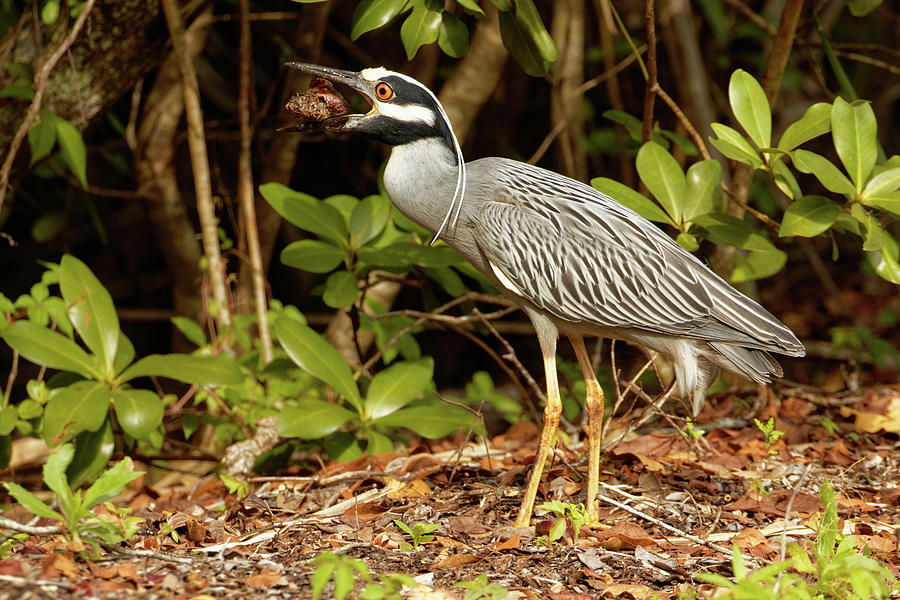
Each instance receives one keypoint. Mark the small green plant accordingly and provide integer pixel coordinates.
(481, 389)
(691, 431)
(345, 571)
(830, 426)
(769, 432)
(234, 485)
(480, 589)
(419, 534)
(6, 547)
(840, 571)
(569, 514)
(757, 486)
(76, 516)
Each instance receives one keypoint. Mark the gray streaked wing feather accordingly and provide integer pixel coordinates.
(582, 256)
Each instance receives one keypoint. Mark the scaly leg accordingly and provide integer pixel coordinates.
(595, 404)
(551, 422)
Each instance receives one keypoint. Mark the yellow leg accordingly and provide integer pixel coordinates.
(595, 404)
(551, 422)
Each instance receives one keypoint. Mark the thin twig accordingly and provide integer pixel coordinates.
(13, 373)
(41, 583)
(29, 529)
(685, 122)
(41, 80)
(649, 95)
(511, 357)
(787, 511)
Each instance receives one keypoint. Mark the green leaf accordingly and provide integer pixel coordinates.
(138, 411)
(312, 419)
(48, 348)
(54, 473)
(735, 146)
(521, 45)
(48, 226)
(527, 15)
(8, 417)
(809, 216)
(372, 14)
(29, 501)
(824, 170)
(421, 27)
(860, 8)
(111, 483)
(854, 130)
(190, 329)
(341, 289)
(306, 212)
(727, 230)
(664, 178)
(397, 386)
(454, 36)
(198, 370)
(93, 450)
(887, 202)
(632, 124)
(82, 406)
(368, 220)
(757, 265)
(314, 256)
(41, 136)
(91, 309)
(71, 143)
(887, 266)
(407, 254)
(317, 357)
(342, 446)
(432, 422)
(785, 180)
(703, 193)
(885, 182)
(124, 354)
(471, 7)
(688, 242)
(751, 107)
(815, 122)
(626, 196)
(378, 444)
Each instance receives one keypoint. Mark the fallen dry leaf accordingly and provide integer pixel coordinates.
(264, 579)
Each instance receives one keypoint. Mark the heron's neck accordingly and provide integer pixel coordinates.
(420, 179)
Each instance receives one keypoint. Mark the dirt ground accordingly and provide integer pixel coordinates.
(672, 506)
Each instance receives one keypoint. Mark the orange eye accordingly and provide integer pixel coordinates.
(384, 91)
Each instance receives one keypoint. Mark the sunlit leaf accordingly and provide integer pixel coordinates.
(93, 450)
(854, 130)
(190, 329)
(860, 8)
(341, 289)
(724, 229)
(314, 256)
(886, 182)
(138, 411)
(815, 122)
(91, 309)
(199, 370)
(372, 14)
(397, 386)
(886, 202)
(735, 146)
(663, 176)
(757, 265)
(751, 107)
(311, 419)
(429, 421)
(74, 152)
(41, 136)
(421, 27)
(521, 45)
(368, 219)
(454, 36)
(81, 406)
(824, 170)
(636, 201)
(809, 216)
(527, 14)
(703, 192)
(306, 212)
(48, 348)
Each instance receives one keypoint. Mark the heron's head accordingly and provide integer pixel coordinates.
(403, 110)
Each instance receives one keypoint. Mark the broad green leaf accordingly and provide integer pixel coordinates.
(688, 242)
(407, 254)
(886, 266)
(454, 36)
(860, 8)
(751, 107)
(8, 417)
(312, 419)
(317, 357)
(138, 411)
(54, 473)
(314, 256)
(757, 265)
(471, 7)
(82, 406)
(368, 219)
(372, 14)
(48, 226)
(342, 446)
(703, 193)
(824, 170)
(886, 202)
(48, 348)
(663, 176)
(198, 370)
(124, 354)
(636, 201)
(306, 212)
(41, 136)
(30, 501)
(785, 180)
(527, 14)
(91, 309)
(432, 422)
(341, 289)
(735, 146)
(93, 450)
(421, 27)
(111, 483)
(344, 203)
(503, 5)
(397, 386)
(885, 182)
(71, 143)
(727, 230)
(815, 122)
(631, 123)
(854, 130)
(447, 278)
(190, 329)
(378, 444)
(809, 216)
(521, 45)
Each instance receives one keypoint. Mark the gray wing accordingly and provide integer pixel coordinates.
(581, 256)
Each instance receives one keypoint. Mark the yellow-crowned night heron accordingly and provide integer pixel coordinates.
(576, 261)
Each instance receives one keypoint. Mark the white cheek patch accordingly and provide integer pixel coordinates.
(505, 281)
(409, 113)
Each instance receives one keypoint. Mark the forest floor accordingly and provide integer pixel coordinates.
(672, 506)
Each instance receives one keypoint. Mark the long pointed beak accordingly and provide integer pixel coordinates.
(348, 78)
